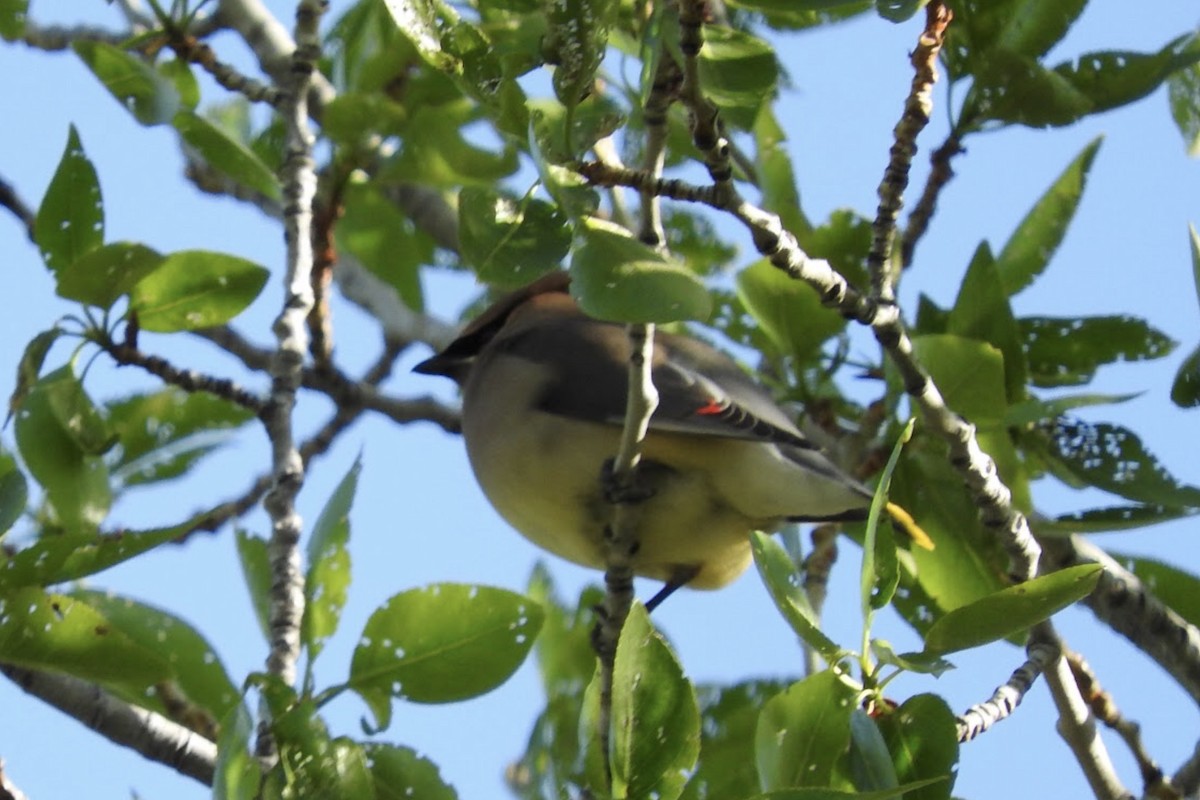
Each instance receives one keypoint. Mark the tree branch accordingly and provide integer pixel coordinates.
(299, 189)
(143, 731)
(8, 789)
(940, 175)
(980, 717)
(13, 202)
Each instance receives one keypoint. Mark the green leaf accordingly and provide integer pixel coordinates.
(922, 738)
(443, 643)
(14, 493)
(386, 241)
(150, 97)
(729, 718)
(1036, 410)
(328, 576)
(789, 311)
(180, 74)
(982, 312)
(510, 242)
(355, 117)
(1177, 588)
(575, 43)
(921, 663)
(100, 276)
(783, 581)
(1183, 91)
(227, 155)
(437, 153)
(880, 574)
(655, 719)
(196, 289)
(837, 794)
(76, 482)
(804, 732)
(564, 650)
(562, 135)
(195, 668)
(1013, 88)
(40, 630)
(616, 277)
(1012, 610)
(738, 71)
(1185, 391)
(1117, 518)
(1067, 351)
(256, 571)
(70, 220)
(164, 433)
(12, 19)
(1112, 457)
(870, 762)
(237, 775)
(400, 774)
(777, 175)
(1036, 239)
(575, 197)
(969, 373)
(76, 413)
(29, 368)
(70, 556)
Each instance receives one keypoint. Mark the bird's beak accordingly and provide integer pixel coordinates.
(446, 365)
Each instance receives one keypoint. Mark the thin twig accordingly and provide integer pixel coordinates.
(940, 174)
(8, 789)
(214, 182)
(1105, 708)
(54, 38)
(127, 354)
(895, 177)
(299, 189)
(817, 568)
(192, 50)
(145, 732)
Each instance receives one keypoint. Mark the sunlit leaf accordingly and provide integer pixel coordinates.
(256, 572)
(100, 276)
(443, 643)
(1011, 610)
(507, 241)
(70, 556)
(328, 576)
(196, 289)
(400, 773)
(616, 277)
(783, 581)
(225, 154)
(790, 312)
(70, 220)
(149, 96)
(1184, 93)
(14, 493)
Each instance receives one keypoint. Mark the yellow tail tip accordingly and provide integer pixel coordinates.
(910, 526)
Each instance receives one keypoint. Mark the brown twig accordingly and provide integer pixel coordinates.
(940, 174)
(817, 568)
(13, 202)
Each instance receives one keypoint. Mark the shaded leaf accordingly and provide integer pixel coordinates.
(70, 220)
(804, 732)
(510, 242)
(76, 482)
(655, 719)
(1037, 410)
(29, 368)
(738, 72)
(226, 155)
(922, 738)
(436, 153)
(1117, 518)
(1113, 458)
(196, 289)
(870, 762)
(616, 277)
(1067, 351)
(164, 433)
(443, 643)
(789, 311)
(100, 276)
(783, 581)
(1185, 391)
(14, 493)
(328, 577)
(1177, 588)
(1012, 610)
(921, 663)
(1039, 234)
(143, 92)
(386, 241)
(237, 775)
(880, 573)
(256, 571)
(400, 773)
(982, 312)
(75, 412)
(12, 19)
(1183, 91)
(729, 717)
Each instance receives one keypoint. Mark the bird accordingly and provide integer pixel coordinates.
(543, 404)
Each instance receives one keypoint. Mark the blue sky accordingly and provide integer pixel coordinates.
(419, 518)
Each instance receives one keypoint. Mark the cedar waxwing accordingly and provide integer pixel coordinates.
(544, 389)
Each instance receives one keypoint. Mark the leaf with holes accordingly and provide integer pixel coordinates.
(70, 220)
(804, 732)
(329, 565)
(196, 289)
(143, 92)
(1068, 351)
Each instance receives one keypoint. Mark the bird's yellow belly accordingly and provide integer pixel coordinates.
(548, 488)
